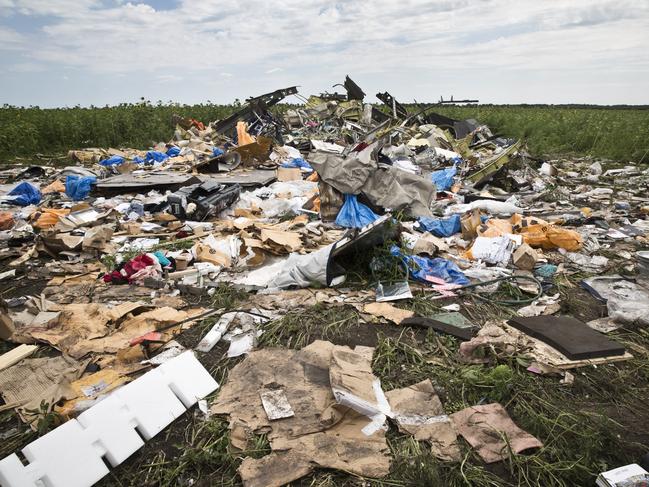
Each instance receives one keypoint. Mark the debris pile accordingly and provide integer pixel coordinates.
(106, 262)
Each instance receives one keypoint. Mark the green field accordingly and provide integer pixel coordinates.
(620, 134)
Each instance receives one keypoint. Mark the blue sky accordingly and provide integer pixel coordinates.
(68, 52)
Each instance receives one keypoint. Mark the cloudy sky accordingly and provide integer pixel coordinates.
(68, 52)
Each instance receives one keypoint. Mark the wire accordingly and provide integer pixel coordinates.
(503, 279)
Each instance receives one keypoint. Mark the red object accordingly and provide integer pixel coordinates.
(152, 336)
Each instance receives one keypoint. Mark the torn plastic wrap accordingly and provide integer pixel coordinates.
(25, 194)
(626, 301)
(78, 188)
(441, 227)
(354, 214)
(443, 178)
(425, 269)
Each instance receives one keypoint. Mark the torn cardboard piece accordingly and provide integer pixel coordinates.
(279, 240)
(276, 404)
(418, 411)
(387, 311)
(356, 387)
(489, 429)
(37, 381)
(322, 432)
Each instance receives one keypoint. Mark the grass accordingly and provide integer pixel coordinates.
(612, 133)
(579, 441)
(297, 329)
(617, 133)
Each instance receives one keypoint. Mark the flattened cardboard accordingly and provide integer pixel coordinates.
(387, 311)
(419, 412)
(290, 241)
(489, 429)
(321, 433)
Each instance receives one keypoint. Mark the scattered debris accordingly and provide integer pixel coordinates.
(250, 220)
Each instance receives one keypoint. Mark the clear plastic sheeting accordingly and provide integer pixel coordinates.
(626, 301)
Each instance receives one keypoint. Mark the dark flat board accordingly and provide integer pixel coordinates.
(242, 177)
(461, 332)
(573, 338)
(143, 183)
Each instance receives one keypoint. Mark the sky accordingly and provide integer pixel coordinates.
(95, 52)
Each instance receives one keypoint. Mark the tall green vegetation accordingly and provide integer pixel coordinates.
(614, 133)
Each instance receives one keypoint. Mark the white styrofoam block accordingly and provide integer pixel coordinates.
(71, 455)
(187, 378)
(150, 403)
(110, 427)
(14, 474)
(66, 457)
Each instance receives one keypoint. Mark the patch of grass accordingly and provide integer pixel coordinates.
(14, 433)
(227, 297)
(414, 465)
(297, 329)
(580, 438)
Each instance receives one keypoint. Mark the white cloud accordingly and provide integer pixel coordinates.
(443, 44)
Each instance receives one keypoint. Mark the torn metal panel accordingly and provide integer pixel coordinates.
(247, 178)
(398, 110)
(354, 92)
(254, 109)
(143, 183)
(492, 166)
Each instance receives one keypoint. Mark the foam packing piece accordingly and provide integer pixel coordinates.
(72, 454)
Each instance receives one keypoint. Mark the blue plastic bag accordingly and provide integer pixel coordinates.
(155, 156)
(26, 194)
(173, 151)
(217, 151)
(422, 267)
(112, 161)
(443, 179)
(78, 187)
(299, 163)
(354, 214)
(139, 160)
(441, 227)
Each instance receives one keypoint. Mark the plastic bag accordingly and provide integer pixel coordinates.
(217, 151)
(112, 161)
(49, 217)
(443, 179)
(173, 151)
(78, 188)
(26, 194)
(155, 156)
(423, 268)
(354, 214)
(441, 227)
(298, 162)
(541, 234)
(495, 227)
